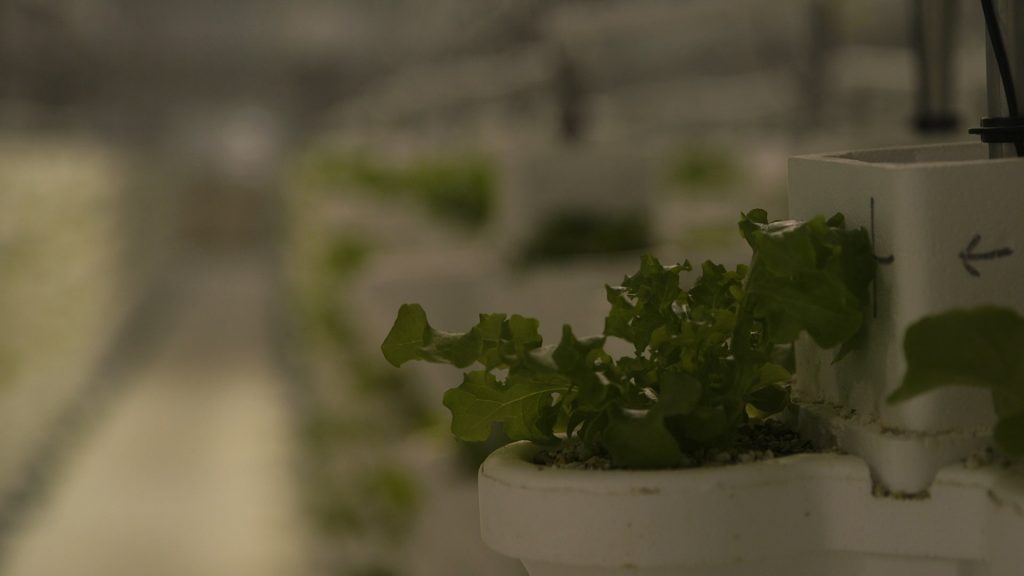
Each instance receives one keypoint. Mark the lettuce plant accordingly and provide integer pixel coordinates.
(703, 360)
(572, 235)
(458, 189)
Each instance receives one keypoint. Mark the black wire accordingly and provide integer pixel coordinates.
(1003, 63)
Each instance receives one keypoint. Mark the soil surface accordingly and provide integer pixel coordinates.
(754, 442)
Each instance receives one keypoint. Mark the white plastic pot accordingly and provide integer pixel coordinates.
(808, 514)
(945, 223)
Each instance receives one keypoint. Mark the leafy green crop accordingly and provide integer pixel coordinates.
(570, 235)
(460, 189)
(978, 347)
(703, 359)
(703, 168)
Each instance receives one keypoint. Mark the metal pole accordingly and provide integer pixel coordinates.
(934, 34)
(1011, 24)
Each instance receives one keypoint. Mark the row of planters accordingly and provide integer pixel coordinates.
(846, 402)
(74, 258)
(377, 465)
(541, 204)
(540, 236)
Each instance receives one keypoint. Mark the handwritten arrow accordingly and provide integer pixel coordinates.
(967, 255)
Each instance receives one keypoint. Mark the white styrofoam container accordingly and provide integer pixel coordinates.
(808, 514)
(945, 222)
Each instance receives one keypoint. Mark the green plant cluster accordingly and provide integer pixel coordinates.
(459, 189)
(703, 361)
(383, 500)
(981, 347)
(704, 168)
(572, 234)
(344, 255)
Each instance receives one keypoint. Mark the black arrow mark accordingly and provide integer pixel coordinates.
(967, 255)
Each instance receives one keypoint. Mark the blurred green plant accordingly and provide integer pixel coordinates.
(575, 234)
(343, 257)
(459, 189)
(709, 236)
(981, 347)
(331, 327)
(703, 168)
(382, 500)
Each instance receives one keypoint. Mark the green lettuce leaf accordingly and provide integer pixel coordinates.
(524, 405)
(980, 347)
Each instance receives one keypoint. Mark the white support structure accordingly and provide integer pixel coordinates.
(945, 223)
(802, 515)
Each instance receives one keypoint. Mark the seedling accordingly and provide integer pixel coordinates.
(460, 190)
(570, 235)
(704, 361)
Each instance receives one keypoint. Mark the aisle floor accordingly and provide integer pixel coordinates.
(189, 471)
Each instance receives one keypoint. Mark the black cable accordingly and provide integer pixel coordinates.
(1002, 60)
(1003, 63)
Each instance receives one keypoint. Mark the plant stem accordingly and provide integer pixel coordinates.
(740, 343)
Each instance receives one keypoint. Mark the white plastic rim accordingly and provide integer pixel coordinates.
(803, 514)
